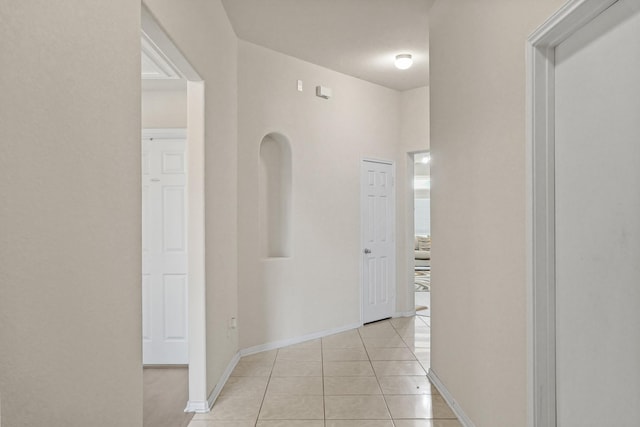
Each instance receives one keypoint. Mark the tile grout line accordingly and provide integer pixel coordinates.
(264, 396)
(413, 352)
(324, 404)
(414, 346)
(414, 355)
(375, 374)
(360, 331)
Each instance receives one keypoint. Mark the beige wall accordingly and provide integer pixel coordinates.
(70, 256)
(414, 119)
(478, 203)
(318, 287)
(201, 30)
(164, 108)
(70, 278)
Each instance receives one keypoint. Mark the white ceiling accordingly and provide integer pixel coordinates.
(355, 37)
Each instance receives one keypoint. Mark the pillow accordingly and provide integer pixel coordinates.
(424, 243)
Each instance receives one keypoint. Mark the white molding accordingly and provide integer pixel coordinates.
(372, 160)
(540, 151)
(198, 388)
(541, 249)
(291, 341)
(448, 397)
(567, 20)
(405, 313)
(203, 406)
(154, 32)
(164, 133)
(198, 406)
(410, 231)
(222, 381)
(163, 68)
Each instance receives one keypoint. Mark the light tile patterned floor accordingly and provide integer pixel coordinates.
(374, 376)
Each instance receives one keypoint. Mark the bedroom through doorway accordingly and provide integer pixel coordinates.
(422, 233)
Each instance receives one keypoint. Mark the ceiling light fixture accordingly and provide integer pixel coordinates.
(403, 61)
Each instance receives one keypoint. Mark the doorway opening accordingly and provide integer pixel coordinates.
(570, 132)
(422, 233)
(172, 101)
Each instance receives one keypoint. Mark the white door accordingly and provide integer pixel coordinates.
(164, 252)
(378, 242)
(598, 221)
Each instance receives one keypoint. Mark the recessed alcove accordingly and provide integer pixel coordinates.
(275, 196)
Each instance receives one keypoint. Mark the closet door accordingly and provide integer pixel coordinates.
(164, 253)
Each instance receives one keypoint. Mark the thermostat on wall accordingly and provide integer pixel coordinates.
(323, 92)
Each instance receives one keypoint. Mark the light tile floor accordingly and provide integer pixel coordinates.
(374, 376)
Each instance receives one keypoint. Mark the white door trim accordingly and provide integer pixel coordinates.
(154, 33)
(394, 221)
(410, 235)
(196, 249)
(541, 286)
(162, 133)
(195, 220)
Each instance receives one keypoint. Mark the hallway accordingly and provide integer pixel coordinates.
(374, 376)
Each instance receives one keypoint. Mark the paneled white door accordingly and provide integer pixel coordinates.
(597, 153)
(164, 252)
(378, 242)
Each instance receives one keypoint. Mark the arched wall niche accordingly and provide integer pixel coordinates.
(275, 196)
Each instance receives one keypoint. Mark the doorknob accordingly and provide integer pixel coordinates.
(367, 251)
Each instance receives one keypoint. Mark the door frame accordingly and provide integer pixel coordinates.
(540, 178)
(410, 232)
(393, 228)
(411, 225)
(195, 211)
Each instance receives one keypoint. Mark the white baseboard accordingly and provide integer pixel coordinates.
(223, 380)
(199, 406)
(202, 407)
(444, 392)
(297, 340)
(405, 313)
(205, 406)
